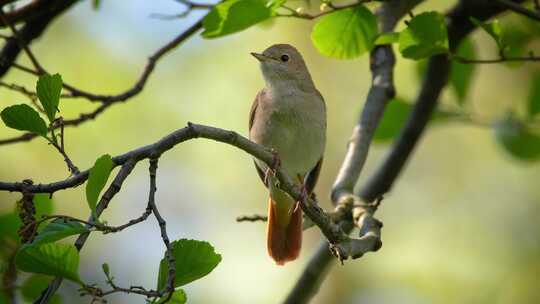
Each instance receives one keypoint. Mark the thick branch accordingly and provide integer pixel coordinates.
(381, 91)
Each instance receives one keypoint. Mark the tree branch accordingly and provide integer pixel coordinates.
(148, 69)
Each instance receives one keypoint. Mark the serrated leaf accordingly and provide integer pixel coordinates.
(33, 286)
(194, 259)
(48, 91)
(387, 38)
(23, 117)
(346, 33)
(98, 176)
(533, 104)
(425, 36)
(517, 139)
(232, 16)
(58, 230)
(50, 259)
(461, 74)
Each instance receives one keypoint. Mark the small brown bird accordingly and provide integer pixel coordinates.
(289, 116)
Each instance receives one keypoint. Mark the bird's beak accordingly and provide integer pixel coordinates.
(261, 57)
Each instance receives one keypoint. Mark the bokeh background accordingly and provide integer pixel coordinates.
(462, 224)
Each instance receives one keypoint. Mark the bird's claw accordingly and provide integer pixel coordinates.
(276, 161)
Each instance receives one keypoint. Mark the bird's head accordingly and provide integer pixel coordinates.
(283, 63)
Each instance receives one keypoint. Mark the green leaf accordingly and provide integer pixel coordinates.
(178, 297)
(493, 28)
(48, 91)
(58, 230)
(194, 259)
(34, 285)
(346, 33)
(387, 38)
(23, 117)
(233, 16)
(533, 105)
(517, 139)
(50, 259)
(99, 174)
(461, 75)
(395, 116)
(96, 4)
(425, 36)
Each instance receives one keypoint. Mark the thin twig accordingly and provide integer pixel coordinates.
(519, 9)
(168, 289)
(60, 148)
(461, 59)
(106, 100)
(37, 16)
(22, 44)
(252, 218)
(189, 7)
(296, 14)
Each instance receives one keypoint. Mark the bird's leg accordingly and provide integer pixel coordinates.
(304, 195)
(272, 170)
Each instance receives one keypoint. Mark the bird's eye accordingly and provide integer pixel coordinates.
(284, 57)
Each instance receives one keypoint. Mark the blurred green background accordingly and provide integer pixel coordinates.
(461, 225)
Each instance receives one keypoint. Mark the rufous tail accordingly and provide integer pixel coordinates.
(284, 235)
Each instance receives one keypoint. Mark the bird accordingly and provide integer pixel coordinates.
(288, 116)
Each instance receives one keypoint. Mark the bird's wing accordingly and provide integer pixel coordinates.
(251, 119)
(312, 176)
(254, 108)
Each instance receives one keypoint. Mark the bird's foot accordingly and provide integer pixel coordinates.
(276, 161)
(304, 195)
(273, 168)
